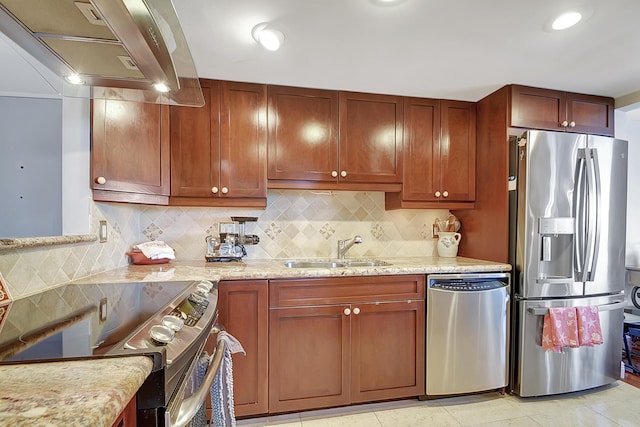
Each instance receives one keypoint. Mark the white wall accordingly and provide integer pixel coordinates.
(76, 193)
(627, 126)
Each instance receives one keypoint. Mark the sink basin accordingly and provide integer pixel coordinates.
(334, 263)
(314, 264)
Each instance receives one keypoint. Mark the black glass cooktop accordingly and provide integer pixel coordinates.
(79, 320)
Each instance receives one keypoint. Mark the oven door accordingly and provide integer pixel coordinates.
(194, 388)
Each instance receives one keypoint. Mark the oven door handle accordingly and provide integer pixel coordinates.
(190, 406)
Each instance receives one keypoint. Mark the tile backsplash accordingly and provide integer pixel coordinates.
(294, 224)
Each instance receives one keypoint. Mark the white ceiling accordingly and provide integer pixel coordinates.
(454, 49)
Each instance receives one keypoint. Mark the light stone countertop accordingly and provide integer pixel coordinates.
(274, 269)
(70, 393)
(94, 392)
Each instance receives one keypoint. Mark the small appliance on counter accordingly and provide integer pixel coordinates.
(229, 245)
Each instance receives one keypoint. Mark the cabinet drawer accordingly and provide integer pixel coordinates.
(306, 292)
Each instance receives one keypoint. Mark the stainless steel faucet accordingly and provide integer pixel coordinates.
(345, 245)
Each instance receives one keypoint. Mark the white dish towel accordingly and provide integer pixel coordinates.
(223, 414)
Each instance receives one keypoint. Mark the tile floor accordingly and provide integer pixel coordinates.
(614, 405)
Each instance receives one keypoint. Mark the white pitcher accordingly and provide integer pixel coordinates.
(448, 244)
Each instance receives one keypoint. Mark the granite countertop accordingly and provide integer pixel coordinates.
(275, 269)
(70, 393)
(94, 392)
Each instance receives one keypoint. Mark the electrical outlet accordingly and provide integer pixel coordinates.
(434, 231)
(103, 231)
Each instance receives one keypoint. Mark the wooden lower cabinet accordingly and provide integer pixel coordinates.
(309, 360)
(338, 341)
(242, 309)
(128, 416)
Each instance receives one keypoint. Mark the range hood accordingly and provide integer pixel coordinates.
(119, 49)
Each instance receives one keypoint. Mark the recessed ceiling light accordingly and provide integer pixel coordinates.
(566, 20)
(267, 37)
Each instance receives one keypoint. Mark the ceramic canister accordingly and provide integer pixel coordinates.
(448, 244)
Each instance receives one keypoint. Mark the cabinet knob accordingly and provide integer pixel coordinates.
(356, 310)
(564, 124)
(343, 174)
(101, 180)
(445, 194)
(214, 190)
(347, 311)
(225, 190)
(334, 174)
(437, 194)
(572, 124)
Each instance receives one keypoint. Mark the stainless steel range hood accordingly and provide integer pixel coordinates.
(119, 48)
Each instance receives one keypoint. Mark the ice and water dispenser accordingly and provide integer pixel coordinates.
(555, 242)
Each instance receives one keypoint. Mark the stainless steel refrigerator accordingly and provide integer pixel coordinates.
(567, 246)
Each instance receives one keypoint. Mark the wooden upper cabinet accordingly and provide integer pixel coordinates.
(458, 152)
(303, 134)
(439, 155)
(537, 108)
(218, 152)
(243, 139)
(130, 152)
(591, 114)
(421, 149)
(370, 148)
(195, 142)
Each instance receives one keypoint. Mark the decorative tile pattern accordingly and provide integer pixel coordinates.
(152, 232)
(327, 231)
(295, 224)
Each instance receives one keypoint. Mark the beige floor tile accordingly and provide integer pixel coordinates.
(573, 417)
(288, 420)
(624, 412)
(367, 419)
(511, 422)
(612, 393)
(549, 404)
(498, 408)
(416, 416)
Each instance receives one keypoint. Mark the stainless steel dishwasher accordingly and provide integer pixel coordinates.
(467, 332)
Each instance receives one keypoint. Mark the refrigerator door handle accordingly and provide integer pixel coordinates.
(579, 190)
(593, 200)
(541, 311)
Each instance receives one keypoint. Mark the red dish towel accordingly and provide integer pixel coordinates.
(589, 331)
(560, 329)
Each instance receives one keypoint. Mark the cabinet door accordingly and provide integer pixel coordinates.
(130, 152)
(243, 140)
(309, 362)
(537, 108)
(128, 416)
(590, 114)
(303, 134)
(243, 309)
(387, 341)
(421, 164)
(370, 138)
(458, 151)
(195, 146)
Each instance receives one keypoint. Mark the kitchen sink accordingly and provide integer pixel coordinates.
(342, 263)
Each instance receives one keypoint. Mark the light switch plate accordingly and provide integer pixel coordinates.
(103, 231)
